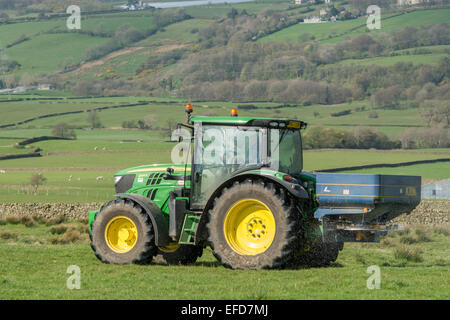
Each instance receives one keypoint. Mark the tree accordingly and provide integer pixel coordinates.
(37, 180)
(169, 127)
(94, 119)
(63, 130)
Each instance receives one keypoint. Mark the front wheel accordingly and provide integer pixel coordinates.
(122, 233)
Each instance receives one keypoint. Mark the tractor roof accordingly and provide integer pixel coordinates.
(256, 121)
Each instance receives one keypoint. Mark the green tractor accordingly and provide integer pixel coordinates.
(238, 187)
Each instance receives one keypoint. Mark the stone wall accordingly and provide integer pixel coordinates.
(430, 212)
(76, 211)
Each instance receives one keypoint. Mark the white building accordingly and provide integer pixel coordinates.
(313, 20)
(410, 2)
(304, 1)
(437, 190)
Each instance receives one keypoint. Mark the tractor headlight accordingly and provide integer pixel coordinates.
(124, 183)
(117, 179)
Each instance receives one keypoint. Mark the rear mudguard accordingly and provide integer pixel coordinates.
(160, 221)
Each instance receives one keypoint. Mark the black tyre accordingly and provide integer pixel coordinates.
(319, 254)
(179, 254)
(253, 226)
(122, 233)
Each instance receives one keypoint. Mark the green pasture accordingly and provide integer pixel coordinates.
(415, 59)
(438, 171)
(218, 10)
(24, 250)
(180, 32)
(337, 31)
(44, 53)
(111, 22)
(13, 31)
(320, 31)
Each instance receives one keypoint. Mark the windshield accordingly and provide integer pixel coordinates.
(286, 150)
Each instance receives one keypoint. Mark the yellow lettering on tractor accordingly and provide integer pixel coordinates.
(411, 191)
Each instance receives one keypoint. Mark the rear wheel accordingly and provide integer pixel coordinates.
(175, 254)
(254, 225)
(318, 254)
(122, 233)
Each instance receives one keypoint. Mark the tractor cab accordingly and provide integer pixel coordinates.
(227, 146)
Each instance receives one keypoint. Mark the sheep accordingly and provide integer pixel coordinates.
(99, 178)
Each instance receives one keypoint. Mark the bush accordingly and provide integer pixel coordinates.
(386, 242)
(373, 114)
(422, 234)
(408, 253)
(408, 240)
(13, 219)
(68, 237)
(58, 229)
(6, 234)
(63, 130)
(55, 220)
(341, 113)
(444, 230)
(27, 221)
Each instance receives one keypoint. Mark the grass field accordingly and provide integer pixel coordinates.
(389, 121)
(101, 152)
(340, 30)
(389, 61)
(26, 249)
(50, 50)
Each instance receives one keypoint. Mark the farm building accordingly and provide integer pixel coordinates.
(410, 2)
(437, 190)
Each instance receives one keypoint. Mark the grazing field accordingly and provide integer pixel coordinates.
(406, 261)
(72, 167)
(389, 61)
(340, 30)
(390, 121)
(51, 48)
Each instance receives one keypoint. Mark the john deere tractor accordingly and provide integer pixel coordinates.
(238, 187)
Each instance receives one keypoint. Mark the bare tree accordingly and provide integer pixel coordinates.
(63, 130)
(94, 119)
(37, 180)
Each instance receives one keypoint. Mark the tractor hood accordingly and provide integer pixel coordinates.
(140, 179)
(147, 169)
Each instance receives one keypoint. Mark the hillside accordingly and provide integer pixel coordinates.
(338, 75)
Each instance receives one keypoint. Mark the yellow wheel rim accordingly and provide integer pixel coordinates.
(171, 247)
(249, 227)
(121, 234)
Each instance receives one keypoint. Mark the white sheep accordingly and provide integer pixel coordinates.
(99, 178)
(2, 171)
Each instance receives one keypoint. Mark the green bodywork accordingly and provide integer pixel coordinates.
(154, 181)
(147, 174)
